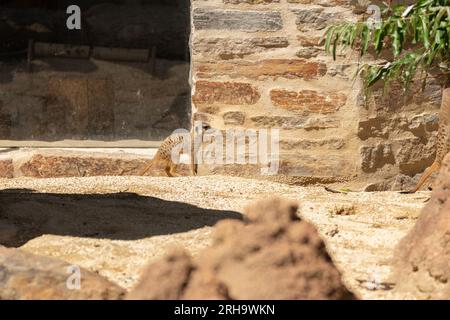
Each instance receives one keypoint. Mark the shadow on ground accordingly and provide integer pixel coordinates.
(117, 216)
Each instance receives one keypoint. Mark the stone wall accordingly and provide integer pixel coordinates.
(258, 64)
(255, 64)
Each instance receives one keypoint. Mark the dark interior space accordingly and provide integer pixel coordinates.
(123, 76)
(119, 216)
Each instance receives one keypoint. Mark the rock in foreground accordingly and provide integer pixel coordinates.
(25, 276)
(271, 255)
(422, 258)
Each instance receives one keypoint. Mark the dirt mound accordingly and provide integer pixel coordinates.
(422, 258)
(271, 255)
(25, 276)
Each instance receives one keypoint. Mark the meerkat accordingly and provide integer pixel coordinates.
(443, 143)
(163, 157)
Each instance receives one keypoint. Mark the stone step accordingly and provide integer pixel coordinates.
(76, 162)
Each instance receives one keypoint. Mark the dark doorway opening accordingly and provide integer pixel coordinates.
(120, 80)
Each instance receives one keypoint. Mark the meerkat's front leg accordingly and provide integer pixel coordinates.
(172, 172)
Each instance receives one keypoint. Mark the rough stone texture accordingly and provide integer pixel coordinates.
(25, 276)
(66, 164)
(6, 168)
(291, 123)
(234, 118)
(292, 144)
(225, 48)
(408, 124)
(225, 93)
(272, 68)
(414, 155)
(422, 267)
(272, 255)
(237, 20)
(374, 157)
(313, 18)
(308, 100)
(63, 163)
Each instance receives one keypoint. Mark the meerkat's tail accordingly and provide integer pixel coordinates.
(428, 172)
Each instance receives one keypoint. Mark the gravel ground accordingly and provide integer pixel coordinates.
(118, 233)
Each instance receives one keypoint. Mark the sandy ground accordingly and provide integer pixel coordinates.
(116, 225)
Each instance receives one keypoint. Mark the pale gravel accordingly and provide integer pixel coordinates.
(361, 244)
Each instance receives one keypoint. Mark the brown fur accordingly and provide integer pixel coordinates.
(443, 143)
(163, 157)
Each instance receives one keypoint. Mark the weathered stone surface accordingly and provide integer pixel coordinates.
(233, 93)
(203, 117)
(57, 163)
(290, 123)
(324, 3)
(375, 157)
(308, 52)
(421, 260)
(332, 166)
(226, 48)
(26, 276)
(413, 155)
(309, 41)
(237, 20)
(313, 18)
(208, 109)
(308, 100)
(234, 118)
(250, 1)
(306, 144)
(6, 168)
(272, 255)
(421, 125)
(270, 68)
(340, 70)
(400, 182)
(395, 100)
(169, 275)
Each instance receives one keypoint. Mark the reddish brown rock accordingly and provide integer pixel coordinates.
(26, 276)
(422, 258)
(54, 164)
(169, 275)
(225, 92)
(270, 68)
(308, 100)
(59, 163)
(6, 168)
(272, 255)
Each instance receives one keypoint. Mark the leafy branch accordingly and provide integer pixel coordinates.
(418, 36)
